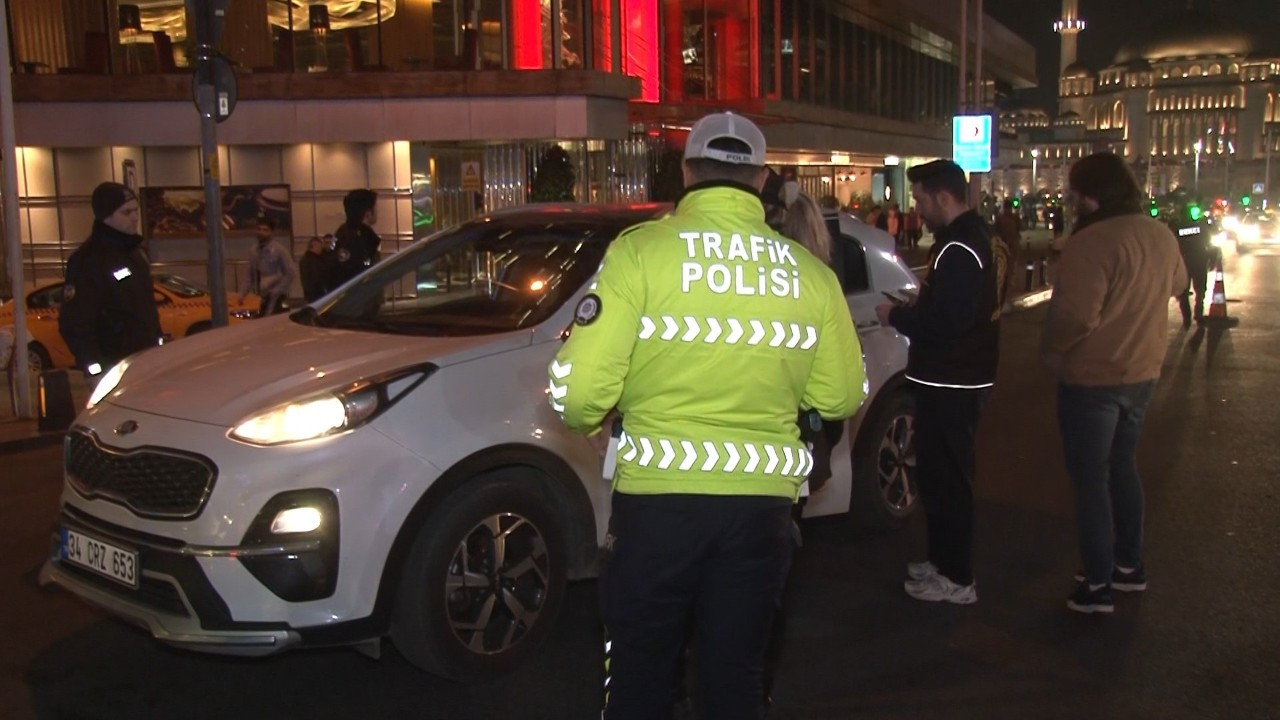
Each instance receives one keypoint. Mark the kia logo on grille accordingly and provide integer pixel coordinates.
(126, 427)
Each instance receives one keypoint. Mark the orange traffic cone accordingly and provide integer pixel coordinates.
(1217, 316)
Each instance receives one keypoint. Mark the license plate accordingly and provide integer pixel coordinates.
(105, 559)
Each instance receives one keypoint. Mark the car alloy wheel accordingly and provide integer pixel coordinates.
(896, 463)
(884, 463)
(484, 580)
(497, 583)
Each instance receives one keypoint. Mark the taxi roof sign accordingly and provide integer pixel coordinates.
(971, 142)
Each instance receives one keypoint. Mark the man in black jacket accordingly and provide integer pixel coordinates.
(954, 330)
(356, 246)
(109, 307)
(316, 267)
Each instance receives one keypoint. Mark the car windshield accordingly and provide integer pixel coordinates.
(483, 277)
(179, 286)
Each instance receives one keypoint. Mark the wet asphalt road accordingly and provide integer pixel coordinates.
(1202, 642)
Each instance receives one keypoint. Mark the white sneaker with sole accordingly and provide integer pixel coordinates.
(921, 570)
(939, 588)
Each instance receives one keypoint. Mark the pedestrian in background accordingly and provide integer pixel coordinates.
(356, 245)
(1105, 339)
(914, 229)
(108, 307)
(271, 270)
(706, 539)
(954, 331)
(893, 225)
(1008, 229)
(316, 267)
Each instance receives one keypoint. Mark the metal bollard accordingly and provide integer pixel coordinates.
(1031, 269)
(57, 410)
(1044, 270)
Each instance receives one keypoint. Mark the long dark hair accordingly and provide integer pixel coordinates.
(1106, 179)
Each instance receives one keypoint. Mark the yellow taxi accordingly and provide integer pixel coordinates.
(185, 309)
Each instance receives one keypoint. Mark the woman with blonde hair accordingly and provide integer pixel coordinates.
(804, 223)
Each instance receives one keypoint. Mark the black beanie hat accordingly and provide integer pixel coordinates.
(108, 198)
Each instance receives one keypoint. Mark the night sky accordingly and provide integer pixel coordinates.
(1112, 23)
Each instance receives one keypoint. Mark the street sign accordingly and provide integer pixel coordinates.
(209, 16)
(971, 142)
(471, 176)
(1259, 188)
(225, 92)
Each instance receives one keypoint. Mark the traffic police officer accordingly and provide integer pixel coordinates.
(109, 307)
(706, 331)
(1193, 243)
(356, 246)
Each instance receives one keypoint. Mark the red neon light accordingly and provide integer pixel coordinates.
(526, 34)
(640, 45)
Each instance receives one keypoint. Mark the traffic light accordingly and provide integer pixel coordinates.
(1016, 202)
(1245, 200)
(1194, 211)
(1155, 211)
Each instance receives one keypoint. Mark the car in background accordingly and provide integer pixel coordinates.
(1253, 230)
(185, 309)
(385, 462)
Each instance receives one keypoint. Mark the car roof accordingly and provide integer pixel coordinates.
(610, 214)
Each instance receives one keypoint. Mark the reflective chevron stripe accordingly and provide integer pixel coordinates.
(707, 456)
(556, 392)
(730, 331)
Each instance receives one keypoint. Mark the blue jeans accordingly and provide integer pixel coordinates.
(1100, 428)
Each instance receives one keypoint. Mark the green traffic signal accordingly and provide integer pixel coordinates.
(1245, 200)
(1155, 212)
(1194, 211)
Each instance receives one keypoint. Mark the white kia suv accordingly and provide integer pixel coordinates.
(384, 463)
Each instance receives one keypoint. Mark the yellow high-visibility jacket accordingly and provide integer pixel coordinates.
(708, 331)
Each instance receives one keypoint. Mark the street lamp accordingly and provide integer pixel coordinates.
(1035, 156)
(1198, 146)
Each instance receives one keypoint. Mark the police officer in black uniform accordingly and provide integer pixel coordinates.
(109, 307)
(1193, 243)
(356, 244)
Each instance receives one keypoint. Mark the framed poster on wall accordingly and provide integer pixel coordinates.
(179, 212)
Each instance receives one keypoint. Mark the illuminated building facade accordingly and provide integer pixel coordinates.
(448, 107)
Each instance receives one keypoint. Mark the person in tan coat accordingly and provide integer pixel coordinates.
(1105, 339)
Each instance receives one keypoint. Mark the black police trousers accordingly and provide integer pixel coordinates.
(719, 562)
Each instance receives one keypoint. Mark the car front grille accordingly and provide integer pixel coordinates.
(152, 482)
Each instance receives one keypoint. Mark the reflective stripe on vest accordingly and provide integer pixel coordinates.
(708, 456)
(556, 392)
(730, 331)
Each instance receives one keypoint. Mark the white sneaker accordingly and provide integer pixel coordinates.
(939, 588)
(921, 570)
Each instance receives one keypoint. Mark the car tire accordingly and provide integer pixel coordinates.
(498, 533)
(38, 359)
(198, 327)
(884, 493)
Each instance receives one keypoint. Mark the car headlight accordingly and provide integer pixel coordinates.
(331, 412)
(110, 380)
(1249, 233)
(243, 314)
(1218, 239)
